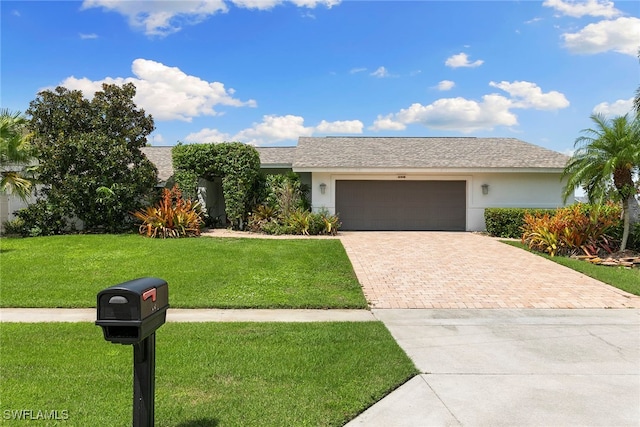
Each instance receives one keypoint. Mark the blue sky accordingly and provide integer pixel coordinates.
(265, 72)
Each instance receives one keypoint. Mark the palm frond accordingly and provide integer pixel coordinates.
(13, 182)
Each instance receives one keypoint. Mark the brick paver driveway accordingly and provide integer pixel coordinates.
(467, 270)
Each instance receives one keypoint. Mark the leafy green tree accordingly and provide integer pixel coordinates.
(16, 155)
(91, 164)
(608, 153)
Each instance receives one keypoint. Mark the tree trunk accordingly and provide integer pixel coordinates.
(634, 210)
(626, 215)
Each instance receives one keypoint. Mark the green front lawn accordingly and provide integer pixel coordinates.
(622, 278)
(68, 271)
(207, 374)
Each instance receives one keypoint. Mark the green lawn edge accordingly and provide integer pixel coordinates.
(622, 278)
(207, 374)
(207, 272)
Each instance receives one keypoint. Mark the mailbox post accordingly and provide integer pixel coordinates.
(130, 313)
(144, 374)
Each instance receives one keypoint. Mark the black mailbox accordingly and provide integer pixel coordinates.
(131, 311)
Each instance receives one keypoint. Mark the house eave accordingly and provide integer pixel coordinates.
(276, 166)
(427, 170)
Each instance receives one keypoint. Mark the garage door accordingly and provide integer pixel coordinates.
(401, 205)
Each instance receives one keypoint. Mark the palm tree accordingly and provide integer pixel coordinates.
(636, 101)
(15, 154)
(609, 153)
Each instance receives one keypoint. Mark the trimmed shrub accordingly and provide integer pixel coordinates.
(275, 228)
(15, 226)
(39, 219)
(508, 222)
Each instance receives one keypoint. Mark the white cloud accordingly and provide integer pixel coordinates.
(346, 126)
(207, 135)
(533, 20)
(161, 17)
(166, 92)
(462, 60)
(387, 122)
(445, 85)
(456, 114)
(465, 115)
(459, 114)
(529, 95)
(311, 4)
(274, 129)
(88, 36)
(603, 8)
(257, 4)
(620, 35)
(380, 72)
(155, 139)
(618, 108)
(357, 70)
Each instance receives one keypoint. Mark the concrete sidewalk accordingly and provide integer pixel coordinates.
(27, 315)
(514, 368)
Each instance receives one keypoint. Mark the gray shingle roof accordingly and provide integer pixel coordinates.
(392, 152)
(276, 156)
(446, 153)
(161, 157)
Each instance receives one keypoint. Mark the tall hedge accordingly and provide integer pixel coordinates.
(236, 163)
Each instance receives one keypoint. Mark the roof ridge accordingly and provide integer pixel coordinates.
(399, 137)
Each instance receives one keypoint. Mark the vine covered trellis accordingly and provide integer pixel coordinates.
(236, 163)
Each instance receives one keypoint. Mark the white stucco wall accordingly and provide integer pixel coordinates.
(8, 205)
(513, 190)
(531, 190)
